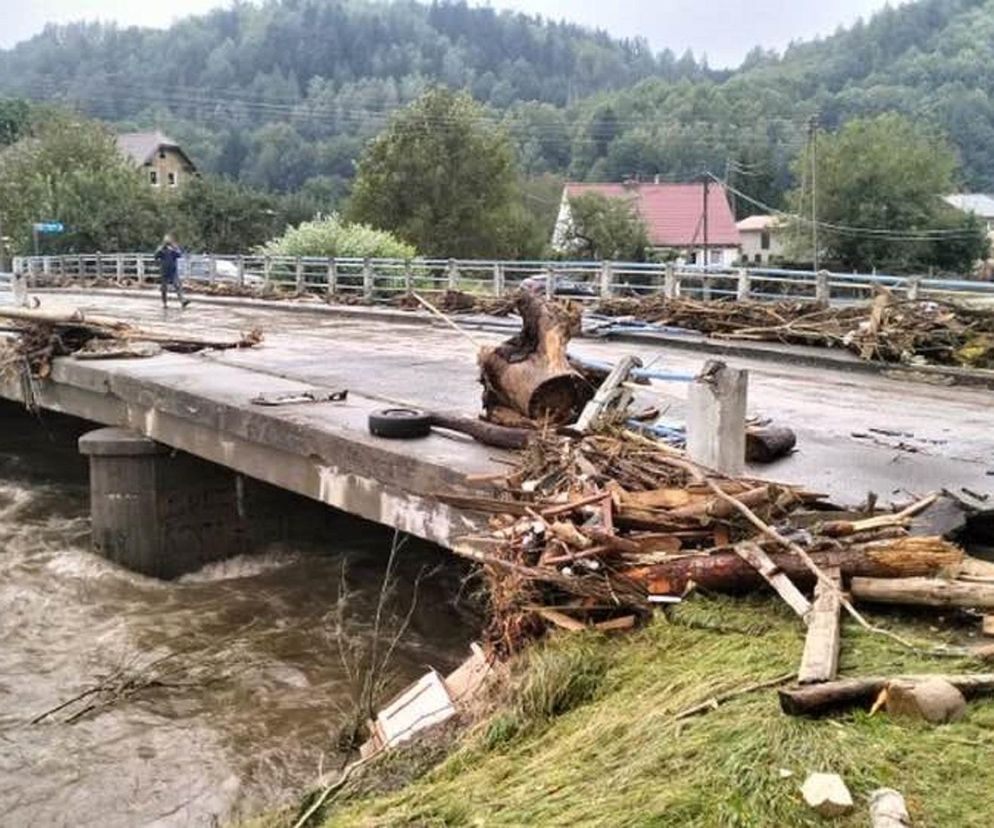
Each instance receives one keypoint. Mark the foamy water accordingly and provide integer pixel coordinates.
(254, 684)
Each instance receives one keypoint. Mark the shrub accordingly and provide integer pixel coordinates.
(333, 237)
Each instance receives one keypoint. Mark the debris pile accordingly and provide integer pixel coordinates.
(887, 330)
(39, 336)
(595, 530)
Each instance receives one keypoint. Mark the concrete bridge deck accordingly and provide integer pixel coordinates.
(200, 404)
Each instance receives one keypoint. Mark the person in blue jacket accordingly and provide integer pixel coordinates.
(168, 254)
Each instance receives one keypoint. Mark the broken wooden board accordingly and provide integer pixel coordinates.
(774, 576)
(820, 660)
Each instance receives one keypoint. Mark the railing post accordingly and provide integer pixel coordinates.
(100, 265)
(332, 276)
(705, 287)
(140, 269)
(742, 289)
(823, 292)
(267, 271)
(671, 285)
(211, 269)
(913, 288)
(119, 269)
(240, 271)
(81, 270)
(551, 277)
(46, 265)
(607, 280)
(367, 279)
(299, 274)
(408, 277)
(453, 275)
(498, 279)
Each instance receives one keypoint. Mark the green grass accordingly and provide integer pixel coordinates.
(605, 749)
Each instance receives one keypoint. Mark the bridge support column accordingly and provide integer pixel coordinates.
(159, 512)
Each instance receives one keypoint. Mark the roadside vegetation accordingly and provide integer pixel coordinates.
(587, 733)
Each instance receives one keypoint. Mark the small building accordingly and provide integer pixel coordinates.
(160, 159)
(980, 204)
(762, 239)
(673, 216)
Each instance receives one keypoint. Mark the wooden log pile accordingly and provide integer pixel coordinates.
(886, 330)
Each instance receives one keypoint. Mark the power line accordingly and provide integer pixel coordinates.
(888, 234)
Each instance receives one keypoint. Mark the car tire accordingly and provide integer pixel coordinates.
(400, 423)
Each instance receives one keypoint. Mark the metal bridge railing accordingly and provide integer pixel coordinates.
(382, 279)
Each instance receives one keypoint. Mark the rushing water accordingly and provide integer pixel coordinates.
(254, 682)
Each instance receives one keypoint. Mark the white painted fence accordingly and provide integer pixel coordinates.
(374, 279)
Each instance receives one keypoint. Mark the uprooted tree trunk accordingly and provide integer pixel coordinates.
(727, 572)
(528, 379)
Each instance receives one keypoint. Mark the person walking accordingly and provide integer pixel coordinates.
(168, 254)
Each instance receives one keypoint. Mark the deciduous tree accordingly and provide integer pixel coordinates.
(441, 177)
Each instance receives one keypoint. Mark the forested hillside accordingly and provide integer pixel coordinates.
(283, 95)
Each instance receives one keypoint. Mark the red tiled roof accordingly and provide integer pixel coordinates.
(673, 212)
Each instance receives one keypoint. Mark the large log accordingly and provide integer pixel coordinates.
(530, 375)
(727, 572)
(926, 592)
(814, 699)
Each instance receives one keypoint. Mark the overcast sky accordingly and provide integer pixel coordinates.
(723, 29)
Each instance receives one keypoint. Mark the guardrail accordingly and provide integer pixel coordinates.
(381, 279)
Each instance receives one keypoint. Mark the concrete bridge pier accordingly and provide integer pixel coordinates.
(161, 512)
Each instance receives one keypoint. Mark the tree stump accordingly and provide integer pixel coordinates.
(528, 378)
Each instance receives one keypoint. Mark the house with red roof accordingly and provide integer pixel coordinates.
(674, 215)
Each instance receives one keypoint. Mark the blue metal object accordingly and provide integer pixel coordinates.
(637, 373)
(49, 228)
(673, 435)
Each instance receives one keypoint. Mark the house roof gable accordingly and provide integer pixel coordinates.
(979, 203)
(141, 147)
(673, 213)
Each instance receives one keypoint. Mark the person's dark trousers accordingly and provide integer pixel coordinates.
(177, 285)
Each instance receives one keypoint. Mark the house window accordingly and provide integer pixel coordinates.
(171, 179)
(764, 240)
(758, 258)
(162, 153)
(715, 257)
(153, 178)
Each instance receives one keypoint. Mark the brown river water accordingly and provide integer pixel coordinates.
(256, 685)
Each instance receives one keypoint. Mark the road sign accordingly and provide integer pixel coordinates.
(50, 228)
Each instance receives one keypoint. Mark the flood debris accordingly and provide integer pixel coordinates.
(40, 335)
(913, 332)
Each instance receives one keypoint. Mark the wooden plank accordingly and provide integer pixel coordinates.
(752, 554)
(928, 592)
(820, 661)
(987, 625)
(560, 619)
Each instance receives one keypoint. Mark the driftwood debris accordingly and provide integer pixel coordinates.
(727, 572)
(528, 379)
(920, 591)
(886, 330)
(820, 660)
(815, 699)
(43, 335)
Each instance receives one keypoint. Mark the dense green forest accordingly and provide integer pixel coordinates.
(284, 94)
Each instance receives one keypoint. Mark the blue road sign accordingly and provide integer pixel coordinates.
(49, 227)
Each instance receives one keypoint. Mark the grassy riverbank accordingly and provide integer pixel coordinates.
(589, 736)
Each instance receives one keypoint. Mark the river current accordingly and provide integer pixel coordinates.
(250, 685)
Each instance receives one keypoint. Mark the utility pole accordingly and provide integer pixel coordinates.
(813, 142)
(707, 183)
